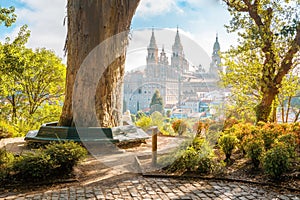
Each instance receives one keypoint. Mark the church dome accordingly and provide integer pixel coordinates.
(216, 45)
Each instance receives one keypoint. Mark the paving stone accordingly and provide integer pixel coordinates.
(186, 198)
(250, 197)
(20, 198)
(202, 195)
(211, 195)
(171, 195)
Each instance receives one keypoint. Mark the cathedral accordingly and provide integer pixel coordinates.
(177, 84)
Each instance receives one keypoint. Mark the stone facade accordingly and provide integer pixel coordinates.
(177, 84)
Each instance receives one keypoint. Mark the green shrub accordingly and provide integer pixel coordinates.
(227, 143)
(144, 122)
(268, 138)
(229, 122)
(167, 129)
(295, 129)
(190, 159)
(200, 126)
(290, 142)
(212, 137)
(6, 163)
(56, 160)
(65, 155)
(269, 132)
(276, 160)
(157, 119)
(198, 156)
(242, 131)
(205, 155)
(254, 149)
(179, 126)
(33, 166)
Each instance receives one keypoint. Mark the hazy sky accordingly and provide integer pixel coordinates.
(199, 20)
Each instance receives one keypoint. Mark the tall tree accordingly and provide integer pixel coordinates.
(7, 16)
(12, 62)
(269, 30)
(91, 22)
(31, 83)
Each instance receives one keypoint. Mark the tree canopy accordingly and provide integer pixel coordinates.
(157, 103)
(31, 82)
(269, 42)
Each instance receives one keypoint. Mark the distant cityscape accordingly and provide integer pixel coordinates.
(186, 93)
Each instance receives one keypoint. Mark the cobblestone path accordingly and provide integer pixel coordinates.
(163, 188)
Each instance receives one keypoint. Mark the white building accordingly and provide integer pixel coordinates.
(178, 85)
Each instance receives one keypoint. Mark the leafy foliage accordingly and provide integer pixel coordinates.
(227, 143)
(269, 42)
(56, 160)
(290, 142)
(269, 133)
(179, 126)
(31, 84)
(276, 161)
(157, 103)
(7, 16)
(33, 166)
(6, 163)
(144, 122)
(198, 156)
(255, 150)
(65, 155)
(6, 129)
(201, 127)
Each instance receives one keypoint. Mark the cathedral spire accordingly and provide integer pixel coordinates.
(178, 59)
(152, 56)
(163, 57)
(153, 40)
(177, 47)
(216, 48)
(177, 39)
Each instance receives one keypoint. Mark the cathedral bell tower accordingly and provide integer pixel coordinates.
(178, 58)
(216, 59)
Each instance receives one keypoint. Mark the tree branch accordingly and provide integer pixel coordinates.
(287, 62)
(236, 5)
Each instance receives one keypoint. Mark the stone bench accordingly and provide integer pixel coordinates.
(50, 132)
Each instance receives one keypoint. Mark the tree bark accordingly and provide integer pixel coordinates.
(263, 109)
(90, 22)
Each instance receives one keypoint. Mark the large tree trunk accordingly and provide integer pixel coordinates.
(90, 23)
(263, 109)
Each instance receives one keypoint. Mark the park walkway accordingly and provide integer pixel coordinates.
(136, 186)
(141, 187)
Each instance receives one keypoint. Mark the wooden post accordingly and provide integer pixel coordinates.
(154, 146)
